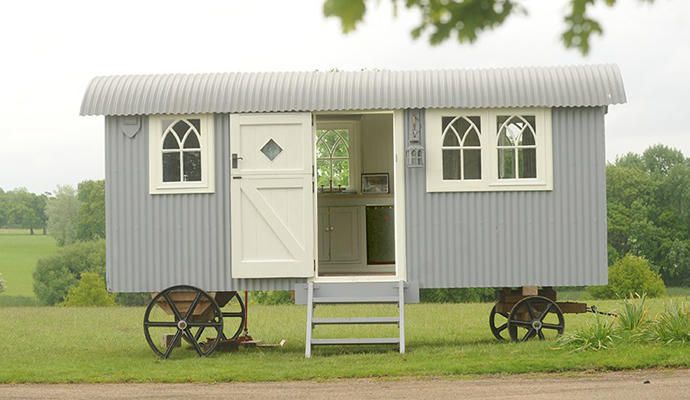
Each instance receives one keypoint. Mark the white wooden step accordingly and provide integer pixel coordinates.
(356, 321)
(346, 341)
(356, 300)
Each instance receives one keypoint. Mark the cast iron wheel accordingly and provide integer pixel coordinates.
(182, 311)
(498, 322)
(538, 317)
(234, 314)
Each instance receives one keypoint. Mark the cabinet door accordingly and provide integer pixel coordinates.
(324, 235)
(345, 231)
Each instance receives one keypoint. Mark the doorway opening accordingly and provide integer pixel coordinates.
(355, 195)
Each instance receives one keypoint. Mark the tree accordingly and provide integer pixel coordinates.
(660, 159)
(21, 209)
(648, 203)
(63, 211)
(469, 18)
(91, 217)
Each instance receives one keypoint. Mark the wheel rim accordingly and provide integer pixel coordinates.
(182, 312)
(498, 323)
(234, 315)
(535, 317)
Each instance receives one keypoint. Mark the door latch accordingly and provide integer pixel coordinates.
(235, 159)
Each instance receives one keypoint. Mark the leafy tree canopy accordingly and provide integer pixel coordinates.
(648, 200)
(467, 19)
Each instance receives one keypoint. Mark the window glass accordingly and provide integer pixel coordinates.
(171, 167)
(517, 147)
(472, 163)
(170, 141)
(461, 152)
(182, 164)
(333, 159)
(192, 166)
(192, 141)
(451, 164)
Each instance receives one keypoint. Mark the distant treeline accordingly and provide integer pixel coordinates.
(68, 215)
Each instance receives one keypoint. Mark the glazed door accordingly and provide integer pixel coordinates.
(272, 199)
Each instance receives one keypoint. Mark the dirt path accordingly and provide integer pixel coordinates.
(656, 384)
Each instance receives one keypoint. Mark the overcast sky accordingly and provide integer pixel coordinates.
(50, 50)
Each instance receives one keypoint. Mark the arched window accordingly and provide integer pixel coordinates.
(461, 147)
(181, 148)
(517, 147)
(333, 159)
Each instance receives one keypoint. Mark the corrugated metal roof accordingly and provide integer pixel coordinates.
(559, 86)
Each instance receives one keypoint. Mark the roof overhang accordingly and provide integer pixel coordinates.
(242, 92)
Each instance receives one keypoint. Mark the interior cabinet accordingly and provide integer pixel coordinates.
(339, 234)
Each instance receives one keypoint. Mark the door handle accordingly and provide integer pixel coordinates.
(235, 159)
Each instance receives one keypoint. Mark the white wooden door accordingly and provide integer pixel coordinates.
(272, 200)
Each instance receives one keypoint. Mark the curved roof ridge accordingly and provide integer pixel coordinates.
(230, 92)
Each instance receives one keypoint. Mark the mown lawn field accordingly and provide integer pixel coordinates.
(19, 252)
(58, 344)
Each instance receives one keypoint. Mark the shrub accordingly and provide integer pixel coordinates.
(461, 295)
(672, 326)
(627, 276)
(89, 291)
(633, 314)
(599, 335)
(272, 297)
(2, 284)
(55, 275)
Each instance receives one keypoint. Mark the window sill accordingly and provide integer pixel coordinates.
(475, 186)
(182, 189)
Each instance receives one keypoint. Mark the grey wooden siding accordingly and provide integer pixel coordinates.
(156, 241)
(493, 239)
(453, 239)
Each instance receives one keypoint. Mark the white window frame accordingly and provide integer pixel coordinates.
(156, 131)
(489, 152)
(355, 167)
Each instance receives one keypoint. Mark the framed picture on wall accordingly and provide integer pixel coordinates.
(375, 183)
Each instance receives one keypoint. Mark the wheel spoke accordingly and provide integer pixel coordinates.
(528, 335)
(172, 344)
(173, 307)
(192, 307)
(160, 324)
(541, 335)
(552, 326)
(546, 311)
(531, 310)
(194, 342)
(199, 332)
(517, 322)
(502, 328)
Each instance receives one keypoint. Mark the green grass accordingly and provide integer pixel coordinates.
(42, 344)
(19, 252)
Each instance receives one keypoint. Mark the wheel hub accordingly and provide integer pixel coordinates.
(182, 325)
(536, 324)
